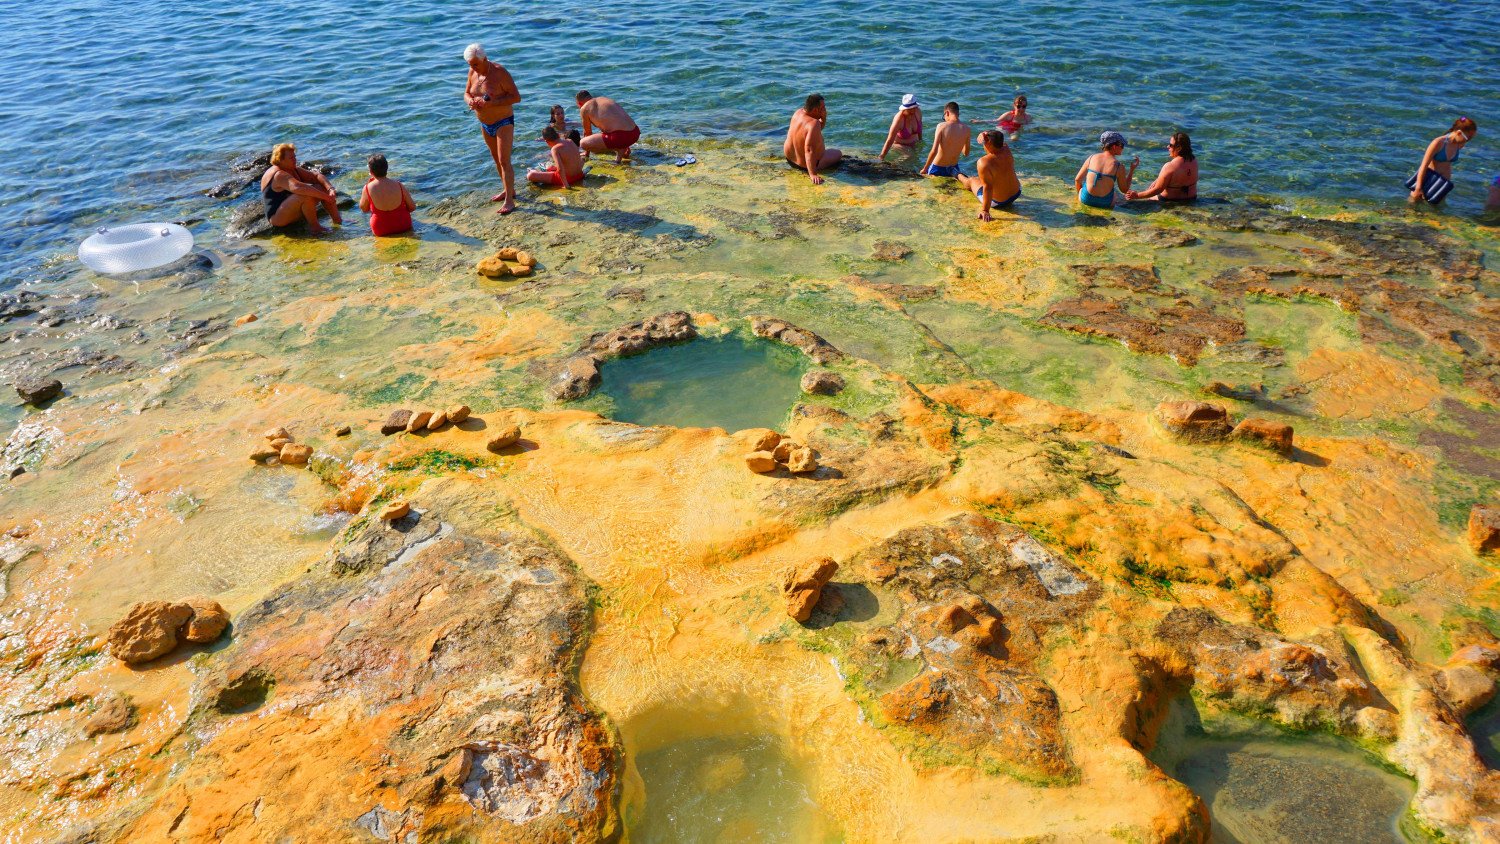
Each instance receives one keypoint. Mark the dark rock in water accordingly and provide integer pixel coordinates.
(396, 422)
(38, 390)
(248, 220)
(890, 250)
(252, 162)
(98, 361)
(198, 332)
(1250, 393)
(18, 304)
(1115, 450)
(248, 254)
(230, 188)
(633, 294)
(810, 344)
(876, 171)
(578, 375)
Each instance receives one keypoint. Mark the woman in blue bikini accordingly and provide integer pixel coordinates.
(1441, 154)
(491, 94)
(1101, 173)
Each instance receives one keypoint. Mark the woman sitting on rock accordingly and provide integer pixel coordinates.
(1178, 179)
(1102, 174)
(293, 193)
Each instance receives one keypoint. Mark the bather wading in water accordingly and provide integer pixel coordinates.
(804, 147)
(950, 142)
(1102, 174)
(386, 200)
(997, 175)
(492, 95)
(293, 193)
(906, 126)
(1441, 153)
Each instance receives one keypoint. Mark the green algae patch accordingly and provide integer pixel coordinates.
(437, 462)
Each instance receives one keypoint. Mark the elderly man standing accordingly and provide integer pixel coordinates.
(617, 132)
(804, 147)
(491, 94)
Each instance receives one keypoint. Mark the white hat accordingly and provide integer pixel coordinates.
(909, 101)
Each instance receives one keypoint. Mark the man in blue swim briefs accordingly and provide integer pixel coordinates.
(949, 143)
(491, 94)
(997, 175)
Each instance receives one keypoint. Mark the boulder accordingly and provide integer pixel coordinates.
(418, 421)
(1481, 656)
(279, 433)
(507, 253)
(264, 453)
(760, 462)
(113, 713)
(208, 620)
(296, 454)
(458, 413)
(396, 422)
(395, 510)
(783, 450)
(525, 259)
(148, 630)
(1484, 529)
(802, 586)
(801, 461)
(576, 378)
(34, 390)
(493, 267)
(505, 437)
(248, 220)
(1193, 420)
(1465, 688)
(1263, 433)
(822, 383)
(438, 419)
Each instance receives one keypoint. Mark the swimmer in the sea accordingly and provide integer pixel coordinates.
(1012, 121)
(906, 126)
(491, 94)
(804, 146)
(386, 200)
(996, 175)
(950, 142)
(566, 168)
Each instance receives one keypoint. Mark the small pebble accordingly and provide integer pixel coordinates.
(247, 318)
(342, 431)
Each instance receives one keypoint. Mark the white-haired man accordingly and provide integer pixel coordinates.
(492, 95)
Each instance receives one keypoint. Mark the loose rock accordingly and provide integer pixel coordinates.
(801, 461)
(504, 438)
(208, 620)
(418, 421)
(281, 442)
(264, 453)
(802, 586)
(1484, 529)
(1276, 436)
(493, 267)
(113, 714)
(766, 441)
(438, 420)
(246, 319)
(525, 259)
(148, 630)
(396, 422)
(1465, 688)
(761, 462)
(279, 434)
(342, 431)
(1193, 420)
(521, 270)
(296, 454)
(458, 413)
(395, 510)
(822, 383)
(38, 390)
(783, 450)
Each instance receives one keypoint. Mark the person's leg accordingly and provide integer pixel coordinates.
(966, 180)
(493, 144)
(544, 177)
(288, 212)
(594, 143)
(310, 214)
(332, 207)
(830, 158)
(506, 139)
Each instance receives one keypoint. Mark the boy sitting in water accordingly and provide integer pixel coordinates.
(566, 168)
(997, 175)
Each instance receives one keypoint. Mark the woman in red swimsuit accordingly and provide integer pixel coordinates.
(386, 201)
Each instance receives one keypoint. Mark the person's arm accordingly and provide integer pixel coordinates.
(968, 138)
(990, 184)
(1157, 186)
(588, 124)
(809, 160)
(411, 204)
(509, 93)
(470, 99)
(1124, 184)
(562, 173)
(364, 199)
(1078, 179)
(1422, 169)
(890, 137)
(306, 189)
(314, 177)
(932, 154)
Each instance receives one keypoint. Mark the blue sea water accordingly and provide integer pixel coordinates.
(128, 111)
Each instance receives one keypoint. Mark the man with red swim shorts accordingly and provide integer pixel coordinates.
(616, 131)
(566, 168)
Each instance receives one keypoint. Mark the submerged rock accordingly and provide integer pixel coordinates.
(113, 713)
(1193, 420)
(35, 390)
(821, 351)
(149, 630)
(802, 586)
(1484, 529)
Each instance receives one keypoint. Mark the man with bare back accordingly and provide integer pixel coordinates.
(949, 144)
(804, 148)
(617, 133)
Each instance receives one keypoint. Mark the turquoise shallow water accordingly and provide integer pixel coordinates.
(128, 112)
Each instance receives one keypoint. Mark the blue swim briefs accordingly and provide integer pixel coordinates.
(940, 170)
(493, 129)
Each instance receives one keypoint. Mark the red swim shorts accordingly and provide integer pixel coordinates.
(551, 177)
(622, 139)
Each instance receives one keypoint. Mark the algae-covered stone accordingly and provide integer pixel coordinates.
(1263, 433)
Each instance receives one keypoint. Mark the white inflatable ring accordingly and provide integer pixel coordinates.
(139, 246)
